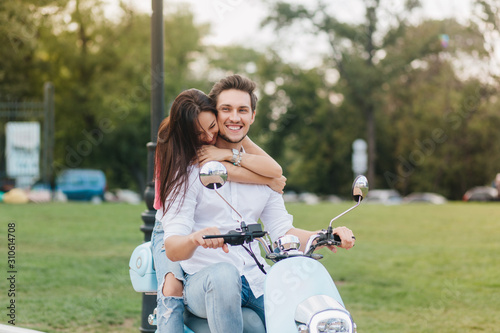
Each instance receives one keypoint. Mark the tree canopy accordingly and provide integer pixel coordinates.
(402, 81)
(405, 85)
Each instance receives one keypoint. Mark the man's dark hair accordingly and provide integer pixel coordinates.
(235, 82)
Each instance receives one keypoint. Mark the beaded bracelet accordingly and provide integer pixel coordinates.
(240, 156)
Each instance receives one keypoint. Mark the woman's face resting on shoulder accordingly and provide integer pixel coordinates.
(208, 128)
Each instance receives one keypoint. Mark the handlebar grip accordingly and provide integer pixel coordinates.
(255, 234)
(334, 240)
(235, 239)
(324, 237)
(238, 238)
(213, 236)
(226, 236)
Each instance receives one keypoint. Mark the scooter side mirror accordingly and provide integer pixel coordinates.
(359, 188)
(213, 175)
(359, 191)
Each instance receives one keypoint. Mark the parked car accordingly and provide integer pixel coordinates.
(425, 197)
(309, 198)
(481, 193)
(82, 184)
(290, 196)
(386, 197)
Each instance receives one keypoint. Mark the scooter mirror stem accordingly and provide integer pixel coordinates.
(213, 175)
(265, 245)
(347, 211)
(241, 217)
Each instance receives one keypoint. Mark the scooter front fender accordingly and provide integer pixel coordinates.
(288, 283)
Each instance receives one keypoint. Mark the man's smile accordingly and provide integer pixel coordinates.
(233, 127)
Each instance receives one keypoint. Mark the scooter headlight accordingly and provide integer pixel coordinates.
(331, 322)
(323, 314)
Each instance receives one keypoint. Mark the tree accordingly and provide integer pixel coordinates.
(437, 116)
(354, 52)
(21, 27)
(102, 76)
(402, 79)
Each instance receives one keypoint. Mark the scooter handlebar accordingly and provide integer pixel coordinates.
(323, 238)
(329, 239)
(248, 234)
(234, 237)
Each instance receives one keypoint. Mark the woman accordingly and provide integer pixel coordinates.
(187, 137)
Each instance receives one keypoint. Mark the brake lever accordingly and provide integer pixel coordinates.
(335, 240)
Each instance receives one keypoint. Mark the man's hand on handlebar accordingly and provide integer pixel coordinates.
(340, 236)
(346, 236)
(212, 243)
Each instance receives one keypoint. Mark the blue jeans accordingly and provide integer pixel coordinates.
(217, 293)
(248, 300)
(169, 309)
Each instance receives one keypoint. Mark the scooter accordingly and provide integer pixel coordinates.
(299, 294)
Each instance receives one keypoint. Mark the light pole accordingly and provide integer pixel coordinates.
(157, 114)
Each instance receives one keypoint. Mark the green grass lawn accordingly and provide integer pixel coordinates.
(415, 268)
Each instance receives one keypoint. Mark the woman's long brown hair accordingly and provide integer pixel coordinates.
(177, 144)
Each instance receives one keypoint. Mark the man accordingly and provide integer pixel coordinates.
(221, 279)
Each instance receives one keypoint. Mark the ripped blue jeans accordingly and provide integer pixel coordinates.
(225, 317)
(170, 309)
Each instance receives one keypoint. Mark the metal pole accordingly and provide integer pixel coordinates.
(46, 120)
(48, 160)
(157, 114)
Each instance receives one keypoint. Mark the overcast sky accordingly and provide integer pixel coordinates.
(238, 21)
(234, 20)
